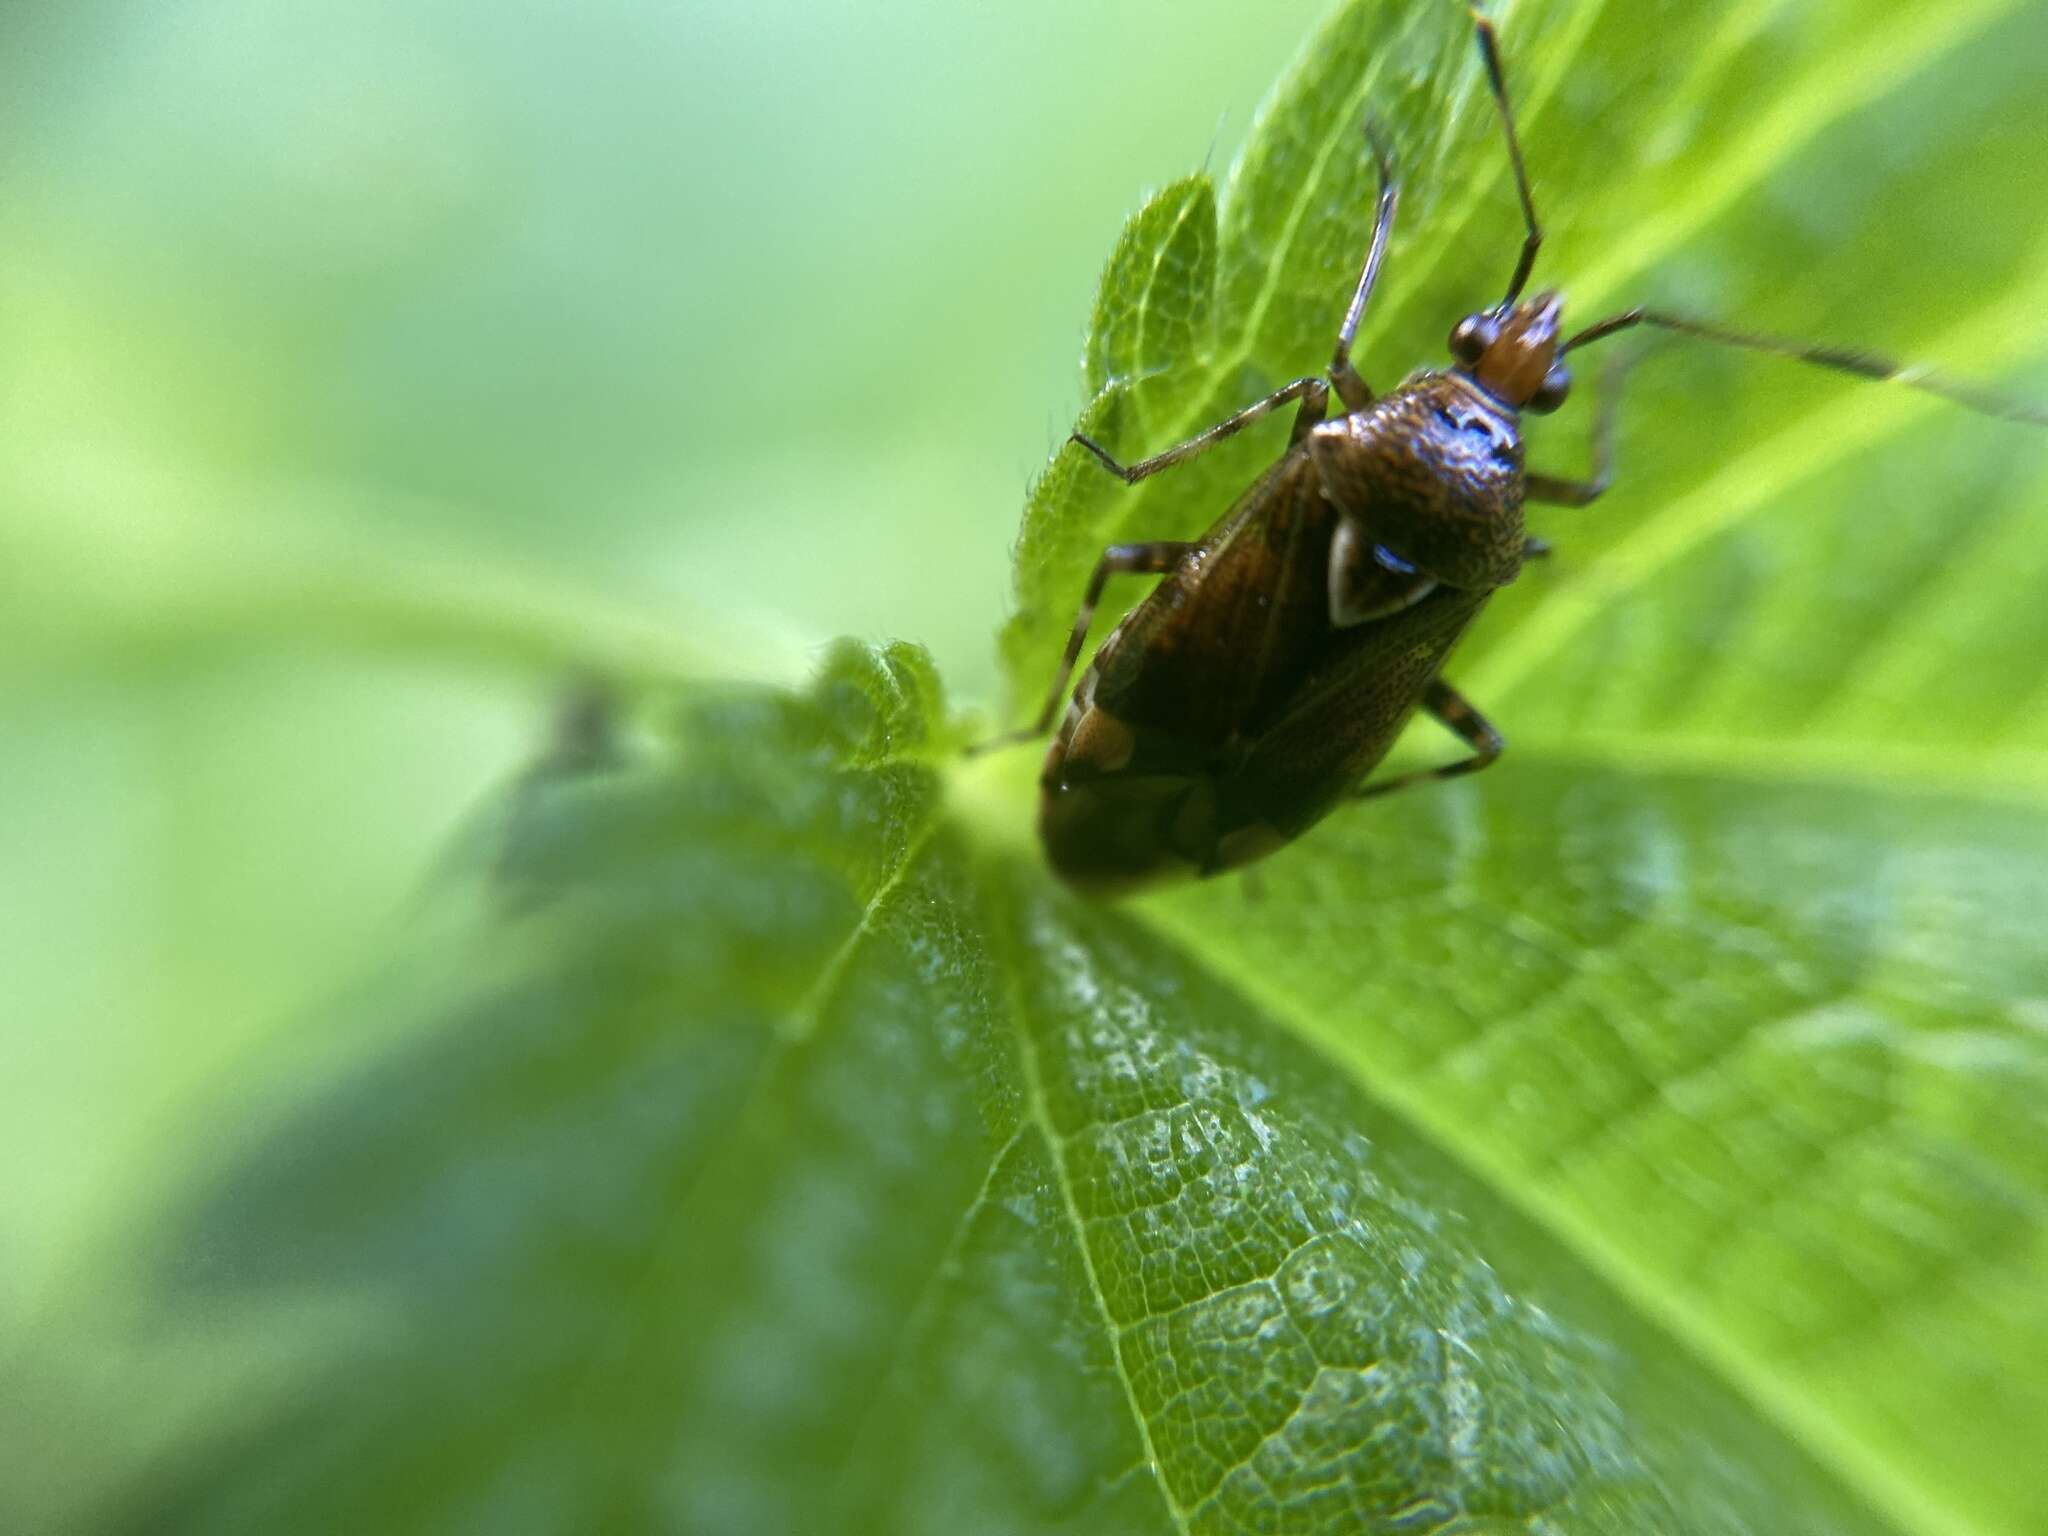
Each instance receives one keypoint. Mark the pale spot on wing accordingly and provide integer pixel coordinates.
(1101, 741)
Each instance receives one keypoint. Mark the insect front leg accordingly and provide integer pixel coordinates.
(1448, 707)
(1352, 389)
(1313, 394)
(1315, 405)
(1154, 559)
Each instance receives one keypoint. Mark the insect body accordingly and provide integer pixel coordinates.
(1328, 599)
(1269, 673)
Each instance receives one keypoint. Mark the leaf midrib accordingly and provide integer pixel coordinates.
(791, 1030)
(1141, 333)
(1040, 1115)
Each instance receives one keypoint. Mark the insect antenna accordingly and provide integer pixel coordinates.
(1489, 51)
(1863, 365)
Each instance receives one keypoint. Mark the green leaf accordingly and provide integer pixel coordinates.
(803, 1164)
(1157, 304)
(1650, 1134)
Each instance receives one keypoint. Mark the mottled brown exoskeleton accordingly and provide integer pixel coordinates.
(1270, 672)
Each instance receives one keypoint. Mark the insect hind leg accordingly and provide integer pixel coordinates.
(1450, 709)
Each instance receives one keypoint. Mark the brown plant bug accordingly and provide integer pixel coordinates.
(1261, 682)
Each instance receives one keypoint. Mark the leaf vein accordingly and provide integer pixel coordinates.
(1880, 1487)
(1041, 1116)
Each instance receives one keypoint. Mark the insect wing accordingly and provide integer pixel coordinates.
(1220, 642)
(1345, 714)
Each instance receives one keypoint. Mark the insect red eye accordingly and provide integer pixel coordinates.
(1556, 385)
(1472, 336)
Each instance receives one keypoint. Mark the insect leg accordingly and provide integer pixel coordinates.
(1351, 389)
(1315, 405)
(1562, 492)
(1154, 559)
(1448, 707)
(1230, 426)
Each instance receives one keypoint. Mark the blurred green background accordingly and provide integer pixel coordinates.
(356, 356)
